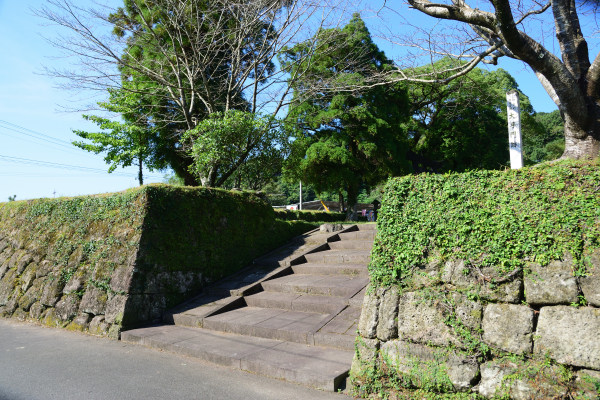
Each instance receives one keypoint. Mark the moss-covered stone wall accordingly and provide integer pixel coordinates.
(102, 263)
(485, 285)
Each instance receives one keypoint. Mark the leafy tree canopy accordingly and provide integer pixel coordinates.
(345, 138)
(132, 140)
(463, 124)
(236, 145)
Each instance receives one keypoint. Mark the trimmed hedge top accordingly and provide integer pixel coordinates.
(499, 219)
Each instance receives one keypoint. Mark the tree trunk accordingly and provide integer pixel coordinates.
(352, 198)
(581, 142)
(578, 147)
(140, 173)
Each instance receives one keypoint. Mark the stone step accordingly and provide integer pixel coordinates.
(331, 269)
(269, 323)
(367, 234)
(340, 332)
(297, 302)
(351, 245)
(367, 227)
(323, 368)
(340, 256)
(323, 285)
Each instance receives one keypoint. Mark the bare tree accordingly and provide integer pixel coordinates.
(187, 58)
(490, 30)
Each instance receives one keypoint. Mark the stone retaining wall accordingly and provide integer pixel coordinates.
(104, 263)
(535, 335)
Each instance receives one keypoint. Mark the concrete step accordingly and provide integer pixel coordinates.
(351, 245)
(340, 256)
(367, 234)
(323, 368)
(340, 332)
(331, 269)
(367, 227)
(297, 302)
(322, 285)
(269, 323)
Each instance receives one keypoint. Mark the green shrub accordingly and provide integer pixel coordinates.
(310, 216)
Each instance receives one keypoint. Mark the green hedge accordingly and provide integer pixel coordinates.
(310, 216)
(215, 230)
(500, 219)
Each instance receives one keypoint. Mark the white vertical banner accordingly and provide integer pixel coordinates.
(300, 205)
(514, 129)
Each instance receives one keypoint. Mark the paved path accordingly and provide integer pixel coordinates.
(45, 364)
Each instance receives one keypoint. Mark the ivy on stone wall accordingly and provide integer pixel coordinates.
(490, 219)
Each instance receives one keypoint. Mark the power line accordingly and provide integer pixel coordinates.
(78, 168)
(34, 134)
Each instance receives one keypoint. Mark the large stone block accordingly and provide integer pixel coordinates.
(4, 267)
(143, 308)
(28, 276)
(458, 274)
(52, 290)
(7, 286)
(36, 310)
(365, 355)
(569, 335)
(422, 319)
(115, 308)
(387, 326)
(67, 307)
(430, 368)
(44, 268)
(98, 326)
(19, 260)
(31, 296)
(551, 284)
(120, 280)
(369, 316)
(4, 244)
(5, 256)
(468, 312)
(508, 327)
(74, 285)
(426, 275)
(590, 284)
(94, 301)
(80, 323)
(521, 381)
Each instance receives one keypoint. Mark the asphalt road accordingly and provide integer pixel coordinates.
(38, 363)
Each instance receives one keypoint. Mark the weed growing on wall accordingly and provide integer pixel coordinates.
(497, 219)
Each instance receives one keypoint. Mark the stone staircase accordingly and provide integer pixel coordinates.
(292, 316)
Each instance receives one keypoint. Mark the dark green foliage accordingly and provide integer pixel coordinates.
(488, 218)
(345, 138)
(462, 125)
(547, 141)
(310, 216)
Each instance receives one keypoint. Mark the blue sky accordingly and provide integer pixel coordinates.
(33, 128)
